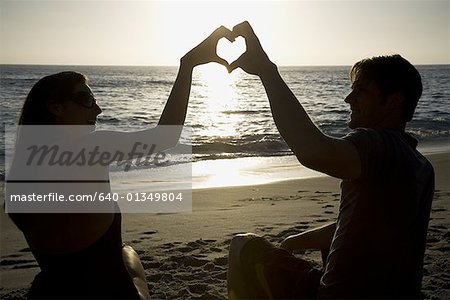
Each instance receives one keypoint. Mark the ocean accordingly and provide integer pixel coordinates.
(229, 113)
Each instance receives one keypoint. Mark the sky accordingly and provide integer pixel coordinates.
(123, 32)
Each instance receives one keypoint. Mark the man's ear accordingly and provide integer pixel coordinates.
(54, 107)
(395, 100)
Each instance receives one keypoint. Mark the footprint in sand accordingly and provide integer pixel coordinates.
(185, 249)
(149, 232)
(152, 264)
(432, 239)
(167, 246)
(12, 262)
(197, 288)
(301, 226)
(221, 261)
(437, 209)
(322, 220)
(35, 265)
(191, 261)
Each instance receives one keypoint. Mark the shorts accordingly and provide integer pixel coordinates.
(269, 272)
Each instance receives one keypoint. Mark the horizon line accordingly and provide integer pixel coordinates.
(156, 65)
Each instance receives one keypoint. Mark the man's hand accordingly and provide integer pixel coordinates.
(286, 244)
(206, 52)
(317, 238)
(254, 61)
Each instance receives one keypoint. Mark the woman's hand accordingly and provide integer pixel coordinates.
(174, 112)
(206, 52)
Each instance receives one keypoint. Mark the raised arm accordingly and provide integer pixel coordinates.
(314, 149)
(174, 112)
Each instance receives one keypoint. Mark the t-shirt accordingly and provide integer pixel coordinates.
(379, 242)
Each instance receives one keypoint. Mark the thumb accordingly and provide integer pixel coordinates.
(236, 64)
(221, 61)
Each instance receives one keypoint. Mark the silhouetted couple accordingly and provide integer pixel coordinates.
(376, 247)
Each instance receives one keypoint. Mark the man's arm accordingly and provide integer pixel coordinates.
(318, 238)
(336, 157)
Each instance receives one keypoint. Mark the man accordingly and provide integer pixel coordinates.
(378, 242)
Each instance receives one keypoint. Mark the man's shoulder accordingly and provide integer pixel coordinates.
(381, 136)
(383, 150)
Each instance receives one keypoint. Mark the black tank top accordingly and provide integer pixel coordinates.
(96, 272)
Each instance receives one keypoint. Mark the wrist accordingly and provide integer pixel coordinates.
(186, 62)
(268, 70)
(285, 245)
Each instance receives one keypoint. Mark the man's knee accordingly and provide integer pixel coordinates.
(237, 244)
(239, 240)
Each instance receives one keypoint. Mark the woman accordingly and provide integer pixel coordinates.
(81, 254)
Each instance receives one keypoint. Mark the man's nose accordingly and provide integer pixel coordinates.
(349, 98)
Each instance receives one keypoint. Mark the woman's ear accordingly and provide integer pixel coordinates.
(54, 107)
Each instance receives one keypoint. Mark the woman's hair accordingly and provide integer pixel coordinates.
(56, 87)
(391, 74)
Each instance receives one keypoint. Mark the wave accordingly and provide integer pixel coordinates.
(160, 82)
(243, 112)
(251, 145)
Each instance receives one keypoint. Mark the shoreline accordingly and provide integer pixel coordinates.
(272, 169)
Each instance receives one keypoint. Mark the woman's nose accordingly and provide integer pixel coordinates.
(349, 98)
(98, 110)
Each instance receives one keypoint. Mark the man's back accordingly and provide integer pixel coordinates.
(379, 243)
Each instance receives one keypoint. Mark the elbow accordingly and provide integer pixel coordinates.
(173, 140)
(309, 160)
(168, 136)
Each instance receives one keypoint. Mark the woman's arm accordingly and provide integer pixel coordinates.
(174, 113)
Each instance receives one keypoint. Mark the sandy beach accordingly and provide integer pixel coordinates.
(185, 255)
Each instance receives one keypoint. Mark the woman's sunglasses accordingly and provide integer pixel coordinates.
(83, 98)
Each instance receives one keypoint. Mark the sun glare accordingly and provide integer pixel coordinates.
(231, 51)
(225, 172)
(218, 88)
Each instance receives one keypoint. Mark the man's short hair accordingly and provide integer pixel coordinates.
(391, 74)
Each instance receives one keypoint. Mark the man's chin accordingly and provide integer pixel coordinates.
(351, 125)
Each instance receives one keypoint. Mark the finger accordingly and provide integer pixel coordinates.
(235, 64)
(221, 61)
(221, 32)
(244, 29)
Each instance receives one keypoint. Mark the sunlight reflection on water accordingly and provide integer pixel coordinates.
(219, 90)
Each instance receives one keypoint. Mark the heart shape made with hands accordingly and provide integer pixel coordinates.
(230, 51)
